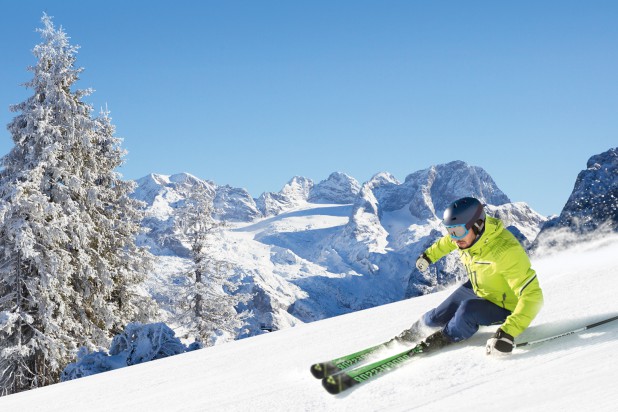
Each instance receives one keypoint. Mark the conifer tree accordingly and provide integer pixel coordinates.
(209, 303)
(69, 266)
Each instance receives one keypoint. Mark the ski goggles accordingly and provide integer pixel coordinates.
(457, 231)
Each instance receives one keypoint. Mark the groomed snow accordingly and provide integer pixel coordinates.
(271, 372)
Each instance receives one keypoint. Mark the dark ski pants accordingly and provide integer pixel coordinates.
(461, 314)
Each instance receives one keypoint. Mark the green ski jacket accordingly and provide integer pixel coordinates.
(499, 270)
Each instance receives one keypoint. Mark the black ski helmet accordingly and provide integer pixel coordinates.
(467, 211)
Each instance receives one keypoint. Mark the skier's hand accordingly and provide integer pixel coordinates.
(422, 263)
(500, 344)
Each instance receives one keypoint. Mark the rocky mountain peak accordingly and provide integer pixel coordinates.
(339, 188)
(594, 200)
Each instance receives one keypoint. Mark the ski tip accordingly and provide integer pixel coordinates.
(324, 369)
(318, 370)
(335, 384)
(332, 384)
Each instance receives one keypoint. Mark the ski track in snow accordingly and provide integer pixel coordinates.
(271, 372)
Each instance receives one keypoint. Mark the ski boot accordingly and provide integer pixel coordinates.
(435, 341)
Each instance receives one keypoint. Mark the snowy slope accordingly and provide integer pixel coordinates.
(271, 371)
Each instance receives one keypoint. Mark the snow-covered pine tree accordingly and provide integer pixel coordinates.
(69, 266)
(209, 302)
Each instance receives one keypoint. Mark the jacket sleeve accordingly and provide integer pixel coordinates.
(525, 285)
(440, 248)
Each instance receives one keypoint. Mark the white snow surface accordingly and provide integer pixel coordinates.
(270, 372)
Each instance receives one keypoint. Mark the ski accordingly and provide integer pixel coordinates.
(323, 369)
(337, 376)
(343, 381)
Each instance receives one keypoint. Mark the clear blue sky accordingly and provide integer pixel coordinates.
(252, 93)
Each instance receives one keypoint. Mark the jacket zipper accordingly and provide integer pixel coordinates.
(473, 279)
(473, 273)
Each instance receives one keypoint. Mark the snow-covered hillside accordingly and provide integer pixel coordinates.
(271, 372)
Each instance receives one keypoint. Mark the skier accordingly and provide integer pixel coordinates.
(502, 287)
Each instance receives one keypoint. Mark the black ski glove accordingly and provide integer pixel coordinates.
(500, 344)
(422, 263)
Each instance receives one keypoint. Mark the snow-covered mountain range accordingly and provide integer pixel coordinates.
(317, 250)
(313, 251)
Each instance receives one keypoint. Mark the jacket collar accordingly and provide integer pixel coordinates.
(493, 227)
